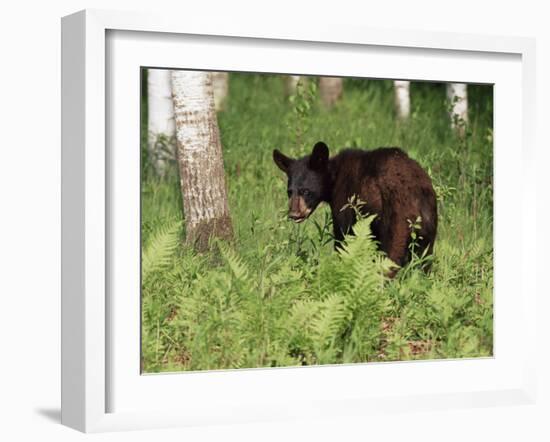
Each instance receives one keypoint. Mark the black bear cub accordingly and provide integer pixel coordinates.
(392, 185)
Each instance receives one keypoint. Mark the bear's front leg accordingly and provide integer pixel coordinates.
(342, 223)
(398, 247)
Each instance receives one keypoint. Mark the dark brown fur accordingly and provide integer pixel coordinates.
(392, 185)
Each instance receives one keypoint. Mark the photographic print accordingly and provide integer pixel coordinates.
(295, 220)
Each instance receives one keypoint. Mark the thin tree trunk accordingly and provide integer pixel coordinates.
(291, 83)
(402, 99)
(457, 94)
(200, 159)
(160, 120)
(221, 89)
(330, 89)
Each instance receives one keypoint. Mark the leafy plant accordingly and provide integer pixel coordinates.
(160, 249)
(302, 101)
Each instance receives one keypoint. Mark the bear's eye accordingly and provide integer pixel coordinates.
(289, 193)
(305, 192)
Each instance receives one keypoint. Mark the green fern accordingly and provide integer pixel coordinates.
(235, 263)
(301, 315)
(160, 249)
(330, 320)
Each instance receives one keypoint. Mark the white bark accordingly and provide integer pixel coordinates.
(200, 159)
(402, 99)
(221, 89)
(330, 89)
(291, 82)
(160, 120)
(457, 94)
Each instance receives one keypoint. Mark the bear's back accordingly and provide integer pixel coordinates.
(387, 179)
(381, 163)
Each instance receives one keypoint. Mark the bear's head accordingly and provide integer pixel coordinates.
(308, 179)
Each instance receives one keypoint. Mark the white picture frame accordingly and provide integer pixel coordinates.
(88, 322)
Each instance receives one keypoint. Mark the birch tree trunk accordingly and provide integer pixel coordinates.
(402, 99)
(291, 83)
(160, 121)
(457, 93)
(221, 88)
(330, 89)
(199, 153)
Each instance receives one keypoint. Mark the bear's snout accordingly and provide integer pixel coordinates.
(297, 209)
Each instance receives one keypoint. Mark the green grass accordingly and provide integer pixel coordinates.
(279, 295)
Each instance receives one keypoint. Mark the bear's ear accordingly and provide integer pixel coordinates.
(319, 156)
(282, 161)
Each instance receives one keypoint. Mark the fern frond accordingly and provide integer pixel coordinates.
(359, 274)
(238, 268)
(160, 249)
(302, 313)
(330, 320)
